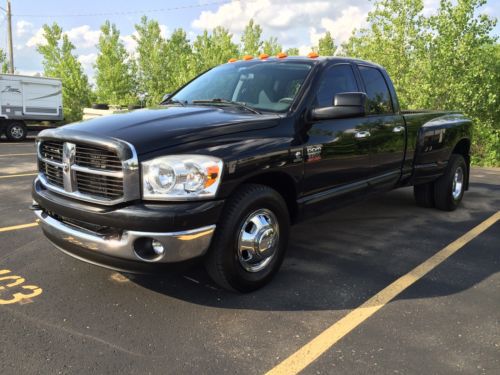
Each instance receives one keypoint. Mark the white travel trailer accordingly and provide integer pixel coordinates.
(25, 98)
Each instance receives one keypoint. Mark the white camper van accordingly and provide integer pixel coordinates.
(25, 98)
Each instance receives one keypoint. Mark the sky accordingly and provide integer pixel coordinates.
(296, 23)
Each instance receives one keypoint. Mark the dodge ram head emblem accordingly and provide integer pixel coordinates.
(68, 159)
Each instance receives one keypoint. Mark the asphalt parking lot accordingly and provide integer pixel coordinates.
(61, 316)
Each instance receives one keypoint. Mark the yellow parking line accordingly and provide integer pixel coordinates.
(18, 175)
(16, 227)
(3, 156)
(325, 340)
(19, 143)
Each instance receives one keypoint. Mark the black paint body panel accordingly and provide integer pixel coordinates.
(321, 162)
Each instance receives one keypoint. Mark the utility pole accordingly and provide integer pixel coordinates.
(9, 32)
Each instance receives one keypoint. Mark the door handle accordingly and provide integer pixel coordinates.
(362, 134)
(398, 129)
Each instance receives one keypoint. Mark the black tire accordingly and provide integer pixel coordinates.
(424, 195)
(222, 261)
(447, 194)
(16, 131)
(100, 106)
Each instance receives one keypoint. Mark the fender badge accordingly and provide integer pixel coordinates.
(314, 153)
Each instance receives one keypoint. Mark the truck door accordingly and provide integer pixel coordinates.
(336, 155)
(386, 129)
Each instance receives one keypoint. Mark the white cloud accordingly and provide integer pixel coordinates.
(129, 42)
(341, 27)
(83, 36)
(36, 39)
(23, 27)
(25, 72)
(88, 61)
(295, 22)
(164, 31)
(430, 7)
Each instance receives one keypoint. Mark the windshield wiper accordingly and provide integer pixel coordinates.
(173, 101)
(226, 102)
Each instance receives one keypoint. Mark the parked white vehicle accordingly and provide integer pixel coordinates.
(25, 98)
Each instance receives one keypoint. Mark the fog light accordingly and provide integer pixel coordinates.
(157, 247)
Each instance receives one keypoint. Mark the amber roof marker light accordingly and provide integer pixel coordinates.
(263, 56)
(313, 55)
(232, 60)
(281, 55)
(247, 57)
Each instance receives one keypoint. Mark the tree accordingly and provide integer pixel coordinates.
(326, 46)
(213, 49)
(293, 52)
(177, 54)
(60, 62)
(447, 61)
(394, 39)
(113, 76)
(4, 65)
(251, 43)
(152, 73)
(463, 70)
(271, 46)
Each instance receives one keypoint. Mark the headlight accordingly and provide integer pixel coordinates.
(181, 177)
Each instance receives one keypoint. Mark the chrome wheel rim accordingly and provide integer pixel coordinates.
(458, 183)
(16, 132)
(258, 240)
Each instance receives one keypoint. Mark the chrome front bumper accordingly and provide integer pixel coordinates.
(179, 246)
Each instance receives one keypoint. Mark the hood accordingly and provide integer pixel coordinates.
(149, 130)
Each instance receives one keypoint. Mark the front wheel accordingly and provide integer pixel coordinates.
(16, 131)
(251, 239)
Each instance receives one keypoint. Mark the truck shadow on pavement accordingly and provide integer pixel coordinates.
(338, 260)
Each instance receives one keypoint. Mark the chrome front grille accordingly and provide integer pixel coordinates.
(93, 157)
(52, 150)
(83, 171)
(105, 186)
(53, 174)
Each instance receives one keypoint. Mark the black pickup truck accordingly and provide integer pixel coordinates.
(224, 167)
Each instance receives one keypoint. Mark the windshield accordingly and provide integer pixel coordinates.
(262, 85)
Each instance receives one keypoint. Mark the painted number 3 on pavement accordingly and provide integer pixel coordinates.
(13, 289)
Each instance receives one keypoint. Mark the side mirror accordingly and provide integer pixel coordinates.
(166, 97)
(346, 104)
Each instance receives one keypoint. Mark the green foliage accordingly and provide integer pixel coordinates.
(60, 62)
(4, 65)
(326, 45)
(447, 61)
(152, 73)
(393, 39)
(179, 64)
(292, 52)
(213, 49)
(250, 40)
(114, 80)
(271, 46)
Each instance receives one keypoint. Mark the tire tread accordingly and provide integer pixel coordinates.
(214, 258)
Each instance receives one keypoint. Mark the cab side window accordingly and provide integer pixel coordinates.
(335, 80)
(379, 98)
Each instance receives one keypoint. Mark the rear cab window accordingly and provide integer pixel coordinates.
(377, 91)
